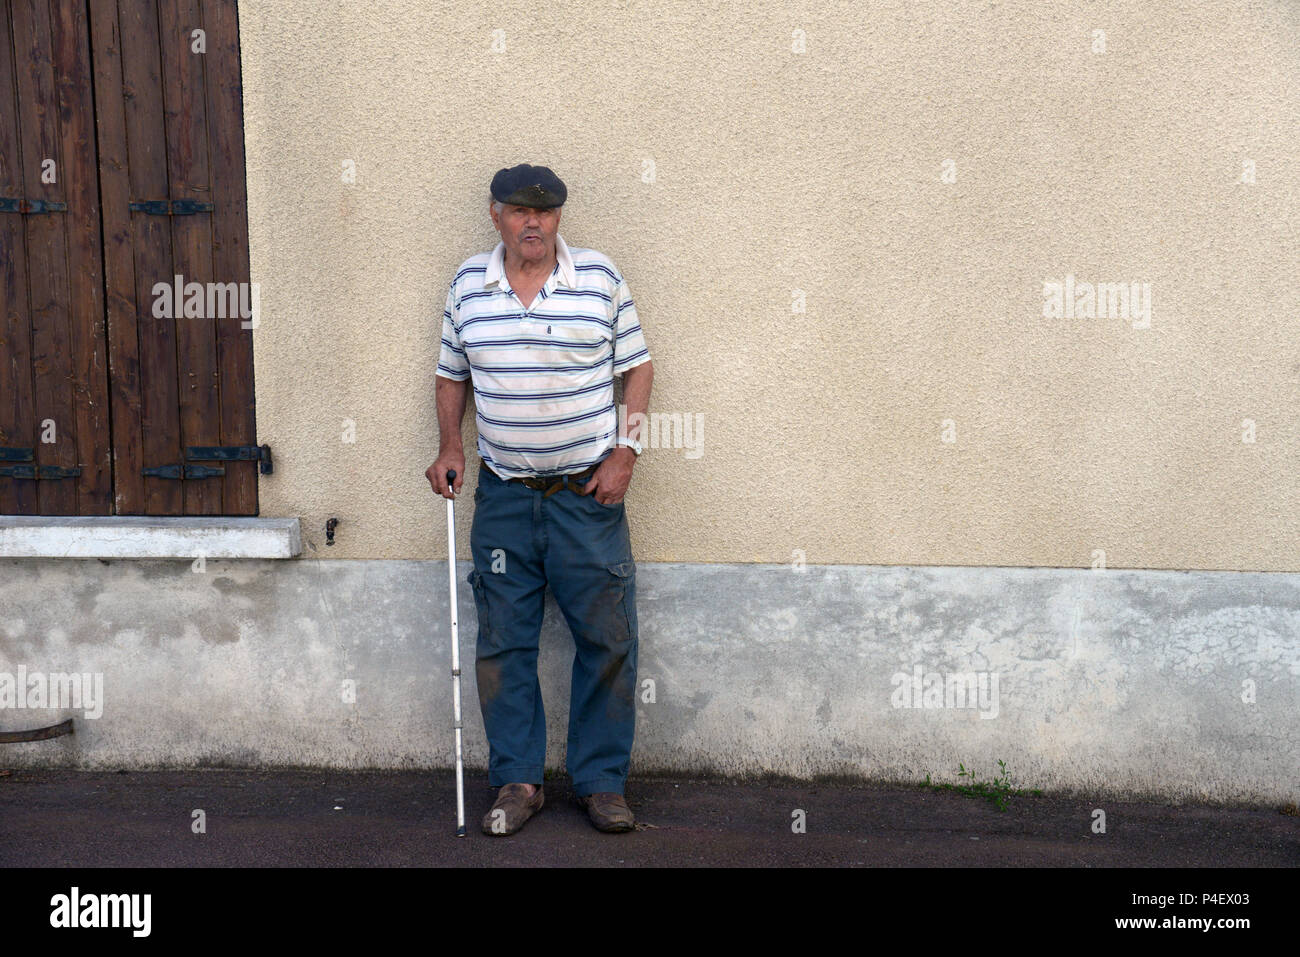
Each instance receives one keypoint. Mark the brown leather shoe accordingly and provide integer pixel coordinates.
(513, 806)
(608, 812)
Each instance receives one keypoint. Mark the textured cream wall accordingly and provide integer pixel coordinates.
(819, 171)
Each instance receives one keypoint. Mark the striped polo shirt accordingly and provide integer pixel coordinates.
(543, 376)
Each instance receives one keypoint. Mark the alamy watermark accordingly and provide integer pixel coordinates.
(664, 430)
(1103, 300)
(208, 300)
(59, 690)
(77, 909)
(935, 689)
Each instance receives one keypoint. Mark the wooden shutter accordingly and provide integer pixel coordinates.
(119, 95)
(53, 381)
(121, 99)
(170, 126)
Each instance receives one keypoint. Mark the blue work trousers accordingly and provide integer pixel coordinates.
(522, 542)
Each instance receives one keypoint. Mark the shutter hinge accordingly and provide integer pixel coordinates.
(45, 473)
(261, 454)
(30, 206)
(170, 207)
(48, 473)
(190, 472)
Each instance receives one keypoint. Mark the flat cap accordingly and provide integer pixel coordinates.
(525, 185)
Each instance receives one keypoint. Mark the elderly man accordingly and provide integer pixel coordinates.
(542, 329)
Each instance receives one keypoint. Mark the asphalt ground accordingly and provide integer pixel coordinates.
(298, 818)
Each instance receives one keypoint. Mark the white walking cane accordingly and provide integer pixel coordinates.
(455, 653)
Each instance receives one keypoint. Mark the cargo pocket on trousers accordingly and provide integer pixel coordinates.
(624, 573)
(480, 601)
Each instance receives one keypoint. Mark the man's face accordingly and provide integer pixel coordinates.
(529, 234)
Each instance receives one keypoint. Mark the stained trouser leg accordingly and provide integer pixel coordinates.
(509, 587)
(588, 563)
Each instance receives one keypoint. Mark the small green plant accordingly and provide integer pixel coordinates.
(997, 791)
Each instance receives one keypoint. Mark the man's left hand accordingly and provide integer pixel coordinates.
(610, 480)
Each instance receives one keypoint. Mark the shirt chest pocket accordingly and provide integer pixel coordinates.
(581, 341)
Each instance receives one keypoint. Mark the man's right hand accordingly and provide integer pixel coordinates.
(437, 473)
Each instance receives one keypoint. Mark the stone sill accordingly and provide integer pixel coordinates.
(147, 536)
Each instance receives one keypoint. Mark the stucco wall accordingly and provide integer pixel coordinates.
(819, 171)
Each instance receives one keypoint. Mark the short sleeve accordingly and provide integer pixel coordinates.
(630, 349)
(452, 363)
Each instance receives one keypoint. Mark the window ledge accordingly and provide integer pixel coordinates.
(147, 536)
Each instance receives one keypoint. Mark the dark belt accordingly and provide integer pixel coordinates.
(549, 483)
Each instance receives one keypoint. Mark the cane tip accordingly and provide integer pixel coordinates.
(460, 831)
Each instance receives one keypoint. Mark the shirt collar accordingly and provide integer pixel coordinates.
(567, 275)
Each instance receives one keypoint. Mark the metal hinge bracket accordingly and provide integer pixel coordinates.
(170, 207)
(175, 472)
(44, 473)
(30, 206)
(260, 454)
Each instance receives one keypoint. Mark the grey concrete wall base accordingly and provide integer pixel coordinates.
(1177, 685)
